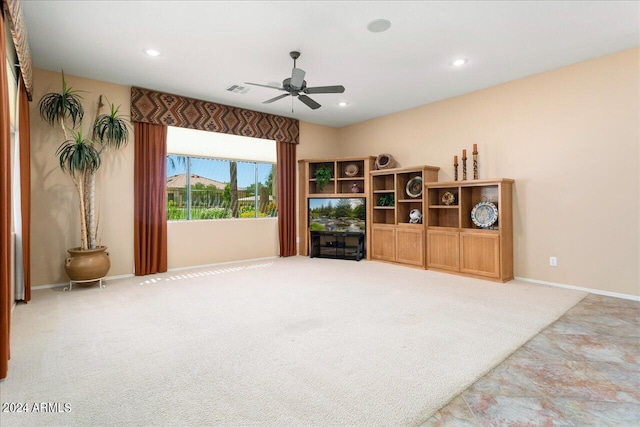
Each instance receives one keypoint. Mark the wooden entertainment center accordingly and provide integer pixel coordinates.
(349, 178)
(449, 237)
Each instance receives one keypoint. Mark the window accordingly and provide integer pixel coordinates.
(205, 187)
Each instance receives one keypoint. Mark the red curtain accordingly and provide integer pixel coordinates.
(286, 155)
(5, 205)
(25, 185)
(150, 210)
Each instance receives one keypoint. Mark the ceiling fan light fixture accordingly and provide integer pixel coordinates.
(459, 62)
(296, 87)
(152, 52)
(379, 25)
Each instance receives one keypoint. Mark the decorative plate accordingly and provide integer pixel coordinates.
(414, 187)
(484, 214)
(448, 198)
(351, 169)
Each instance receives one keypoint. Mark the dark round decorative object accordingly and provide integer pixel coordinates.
(385, 161)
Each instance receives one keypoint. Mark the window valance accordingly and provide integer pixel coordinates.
(149, 106)
(13, 8)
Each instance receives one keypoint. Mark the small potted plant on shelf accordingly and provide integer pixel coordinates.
(80, 158)
(323, 175)
(387, 200)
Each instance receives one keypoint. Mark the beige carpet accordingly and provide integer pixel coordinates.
(283, 342)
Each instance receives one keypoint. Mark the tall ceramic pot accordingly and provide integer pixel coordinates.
(90, 264)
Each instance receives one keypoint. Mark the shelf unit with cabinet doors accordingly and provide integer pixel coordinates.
(349, 179)
(455, 243)
(394, 237)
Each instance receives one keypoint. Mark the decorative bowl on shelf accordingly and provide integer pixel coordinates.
(484, 214)
(351, 170)
(448, 198)
(414, 187)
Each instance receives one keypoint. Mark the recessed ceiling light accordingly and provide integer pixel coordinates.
(459, 62)
(379, 25)
(343, 104)
(152, 52)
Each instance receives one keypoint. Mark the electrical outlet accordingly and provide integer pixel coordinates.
(553, 261)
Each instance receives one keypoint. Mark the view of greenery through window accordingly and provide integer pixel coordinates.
(207, 188)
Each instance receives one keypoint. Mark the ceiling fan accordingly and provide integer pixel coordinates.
(296, 85)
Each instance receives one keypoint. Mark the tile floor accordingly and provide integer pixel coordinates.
(583, 370)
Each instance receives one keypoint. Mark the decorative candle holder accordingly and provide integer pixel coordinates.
(464, 166)
(475, 161)
(475, 164)
(455, 171)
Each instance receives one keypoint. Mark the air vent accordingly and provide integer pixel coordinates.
(238, 89)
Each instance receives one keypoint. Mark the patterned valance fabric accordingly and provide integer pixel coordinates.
(149, 106)
(13, 9)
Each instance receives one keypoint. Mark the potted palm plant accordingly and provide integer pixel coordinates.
(80, 158)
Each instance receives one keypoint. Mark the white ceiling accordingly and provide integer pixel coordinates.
(207, 46)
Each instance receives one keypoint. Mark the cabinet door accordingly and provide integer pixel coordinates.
(443, 250)
(383, 243)
(480, 254)
(410, 246)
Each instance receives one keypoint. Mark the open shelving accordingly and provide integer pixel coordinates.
(344, 180)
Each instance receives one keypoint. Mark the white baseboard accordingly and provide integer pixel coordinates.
(126, 276)
(221, 263)
(57, 285)
(578, 288)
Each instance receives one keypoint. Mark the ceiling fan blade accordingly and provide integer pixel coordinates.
(269, 101)
(325, 89)
(258, 84)
(297, 78)
(309, 102)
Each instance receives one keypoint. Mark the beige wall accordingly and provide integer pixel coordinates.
(316, 142)
(569, 137)
(193, 243)
(54, 202)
